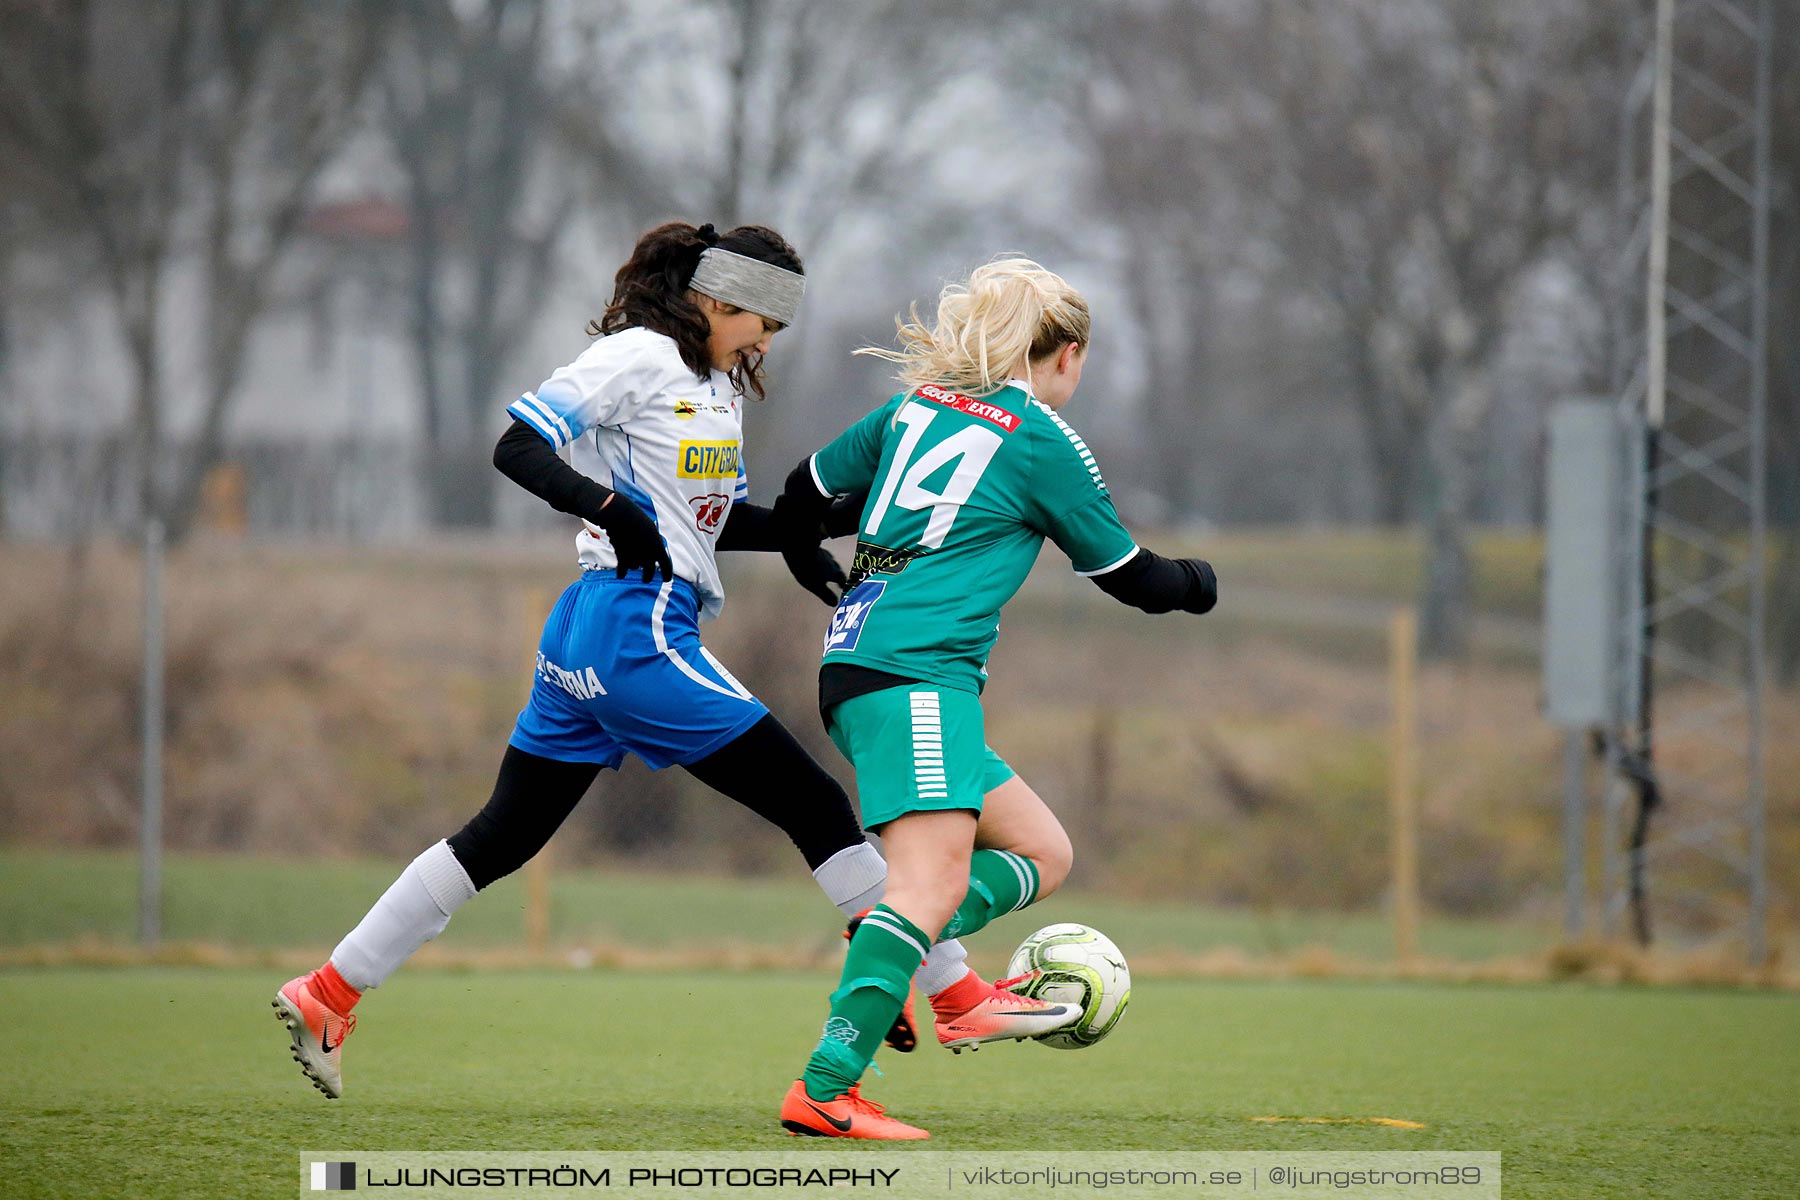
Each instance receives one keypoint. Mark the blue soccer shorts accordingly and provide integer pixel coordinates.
(620, 669)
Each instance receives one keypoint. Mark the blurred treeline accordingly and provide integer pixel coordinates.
(1343, 253)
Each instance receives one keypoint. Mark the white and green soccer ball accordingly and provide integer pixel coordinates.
(1079, 966)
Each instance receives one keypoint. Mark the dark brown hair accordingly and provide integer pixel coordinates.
(651, 290)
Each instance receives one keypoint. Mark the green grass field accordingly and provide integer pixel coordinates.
(177, 1082)
(166, 1081)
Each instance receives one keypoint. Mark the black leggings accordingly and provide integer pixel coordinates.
(764, 769)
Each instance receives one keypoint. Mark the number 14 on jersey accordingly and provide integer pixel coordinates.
(972, 447)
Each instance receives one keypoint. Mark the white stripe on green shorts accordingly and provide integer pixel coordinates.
(929, 780)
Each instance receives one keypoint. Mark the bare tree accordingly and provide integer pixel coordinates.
(756, 110)
(174, 134)
(485, 127)
(1423, 161)
(1147, 115)
(1409, 165)
(835, 123)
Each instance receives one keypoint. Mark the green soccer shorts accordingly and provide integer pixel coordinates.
(916, 748)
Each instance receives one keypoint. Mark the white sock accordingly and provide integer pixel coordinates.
(854, 879)
(410, 913)
(947, 963)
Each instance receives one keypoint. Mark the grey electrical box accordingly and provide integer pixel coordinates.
(1581, 558)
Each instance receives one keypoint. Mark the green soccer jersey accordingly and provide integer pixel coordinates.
(962, 494)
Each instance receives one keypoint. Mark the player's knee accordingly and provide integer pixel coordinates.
(1053, 856)
(820, 822)
(486, 853)
(928, 893)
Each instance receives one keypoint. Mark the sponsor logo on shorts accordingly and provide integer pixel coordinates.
(991, 413)
(707, 460)
(583, 685)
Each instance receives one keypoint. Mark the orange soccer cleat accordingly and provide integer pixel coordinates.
(317, 1031)
(848, 1116)
(998, 1013)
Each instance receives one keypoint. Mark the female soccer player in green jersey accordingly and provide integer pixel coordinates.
(967, 471)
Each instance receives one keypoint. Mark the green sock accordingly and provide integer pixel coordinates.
(878, 973)
(999, 882)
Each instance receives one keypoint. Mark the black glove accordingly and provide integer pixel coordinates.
(816, 570)
(844, 517)
(1203, 585)
(635, 539)
(798, 525)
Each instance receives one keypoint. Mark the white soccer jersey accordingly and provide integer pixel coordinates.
(635, 418)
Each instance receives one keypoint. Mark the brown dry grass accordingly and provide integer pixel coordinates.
(332, 701)
(1599, 963)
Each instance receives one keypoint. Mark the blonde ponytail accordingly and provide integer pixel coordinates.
(1010, 309)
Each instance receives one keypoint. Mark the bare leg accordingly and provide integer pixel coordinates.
(1014, 817)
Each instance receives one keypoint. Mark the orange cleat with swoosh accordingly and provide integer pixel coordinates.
(317, 1031)
(998, 1014)
(848, 1116)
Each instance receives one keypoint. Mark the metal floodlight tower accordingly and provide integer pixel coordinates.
(1683, 814)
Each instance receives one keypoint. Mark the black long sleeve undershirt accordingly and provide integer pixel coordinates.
(1159, 585)
(523, 456)
(750, 527)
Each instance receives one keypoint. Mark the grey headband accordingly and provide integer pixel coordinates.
(749, 283)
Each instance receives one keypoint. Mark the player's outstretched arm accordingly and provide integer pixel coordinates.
(753, 527)
(801, 518)
(1159, 585)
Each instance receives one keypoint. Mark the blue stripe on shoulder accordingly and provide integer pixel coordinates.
(531, 417)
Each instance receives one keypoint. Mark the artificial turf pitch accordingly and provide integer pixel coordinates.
(177, 1081)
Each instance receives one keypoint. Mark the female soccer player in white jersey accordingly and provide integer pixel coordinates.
(651, 418)
(966, 473)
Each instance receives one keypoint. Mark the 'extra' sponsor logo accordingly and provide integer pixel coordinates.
(707, 460)
(583, 685)
(991, 413)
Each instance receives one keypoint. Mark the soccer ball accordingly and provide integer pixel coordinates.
(1080, 966)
